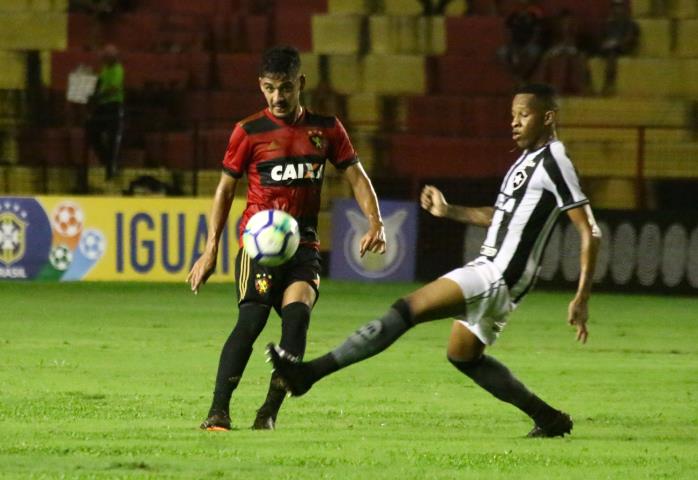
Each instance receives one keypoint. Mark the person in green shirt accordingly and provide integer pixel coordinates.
(106, 120)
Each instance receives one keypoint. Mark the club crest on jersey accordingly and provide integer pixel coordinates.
(262, 283)
(519, 179)
(317, 139)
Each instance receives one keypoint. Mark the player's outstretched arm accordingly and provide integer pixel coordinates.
(590, 233)
(434, 202)
(222, 200)
(374, 239)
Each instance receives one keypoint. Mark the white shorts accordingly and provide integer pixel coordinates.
(487, 300)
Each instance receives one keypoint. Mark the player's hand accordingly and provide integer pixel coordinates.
(433, 201)
(202, 269)
(374, 240)
(577, 316)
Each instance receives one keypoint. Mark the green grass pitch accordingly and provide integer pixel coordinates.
(112, 380)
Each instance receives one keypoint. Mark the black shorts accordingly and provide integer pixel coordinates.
(266, 285)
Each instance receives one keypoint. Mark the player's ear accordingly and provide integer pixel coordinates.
(550, 117)
(301, 81)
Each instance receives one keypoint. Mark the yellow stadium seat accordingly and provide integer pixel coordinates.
(33, 31)
(364, 7)
(346, 73)
(311, 69)
(413, 7)
(364, 108)
(690, 77)
(394, 74)
(23, 180)
(655, 37)
(597, 72)
(612, 193)
(671, 160)
(14, 6)
(687, 38)
(641, 8)
(618, 111)
(407, 34)
(682, 8)
(337, 34)
(603, 158)
(658, 77)
(13, 72)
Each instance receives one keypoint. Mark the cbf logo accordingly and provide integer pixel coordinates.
(25, 237)
(13, 233)
(349, 225)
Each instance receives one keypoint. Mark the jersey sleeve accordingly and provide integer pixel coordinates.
(342, 153)
(238, 154)
(562, 179)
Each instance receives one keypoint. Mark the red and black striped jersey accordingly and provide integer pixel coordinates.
(285, 164)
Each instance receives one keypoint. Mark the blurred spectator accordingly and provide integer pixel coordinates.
(564, 65)
(102, 9)
(434, 7)
(620, 37)
(482, 7)
(106, 116)
(522, 53)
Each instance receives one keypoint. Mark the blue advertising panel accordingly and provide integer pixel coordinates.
(348, 226)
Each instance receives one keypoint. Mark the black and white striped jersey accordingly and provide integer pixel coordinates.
(540, 185)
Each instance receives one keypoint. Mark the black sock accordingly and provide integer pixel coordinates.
(372, 338)
(496, 378)
(236, 352)
(295, 318)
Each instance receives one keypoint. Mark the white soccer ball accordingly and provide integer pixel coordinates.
(271, 237)
(60, 257)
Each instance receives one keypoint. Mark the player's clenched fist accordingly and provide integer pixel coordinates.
(433, 201)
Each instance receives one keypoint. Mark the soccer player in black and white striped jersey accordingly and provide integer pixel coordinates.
(540, 185)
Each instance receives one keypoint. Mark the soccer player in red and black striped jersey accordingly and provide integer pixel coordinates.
(283, 150)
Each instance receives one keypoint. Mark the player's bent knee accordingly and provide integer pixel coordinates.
(463, 345)
(404, 309)
(466, 366)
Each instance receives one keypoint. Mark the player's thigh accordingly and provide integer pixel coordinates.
(299, 291)
(463, 344)
(302, 277)
(439, 299)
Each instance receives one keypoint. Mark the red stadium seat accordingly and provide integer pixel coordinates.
(305, 7)
(419, 156)
(199, 68)
(256, 33)
(62, 63)
(294, 28)
(178, 151)
(237, 72)
(169, 149)
(459, 116)
(212, 146)
(475, 36)
(81, 31)
(460, 75)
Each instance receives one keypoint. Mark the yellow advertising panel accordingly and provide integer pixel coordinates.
(102, 238)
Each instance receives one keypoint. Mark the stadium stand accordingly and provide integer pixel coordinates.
(407, 85)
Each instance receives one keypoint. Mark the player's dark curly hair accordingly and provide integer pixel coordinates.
(545, 93)
(280, 61)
